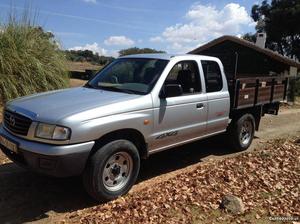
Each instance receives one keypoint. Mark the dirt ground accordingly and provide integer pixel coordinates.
(28, 197)
(82, 66)
(77, 82)
(265, 179)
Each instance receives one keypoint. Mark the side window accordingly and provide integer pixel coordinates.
(213, 76)
(185, 73)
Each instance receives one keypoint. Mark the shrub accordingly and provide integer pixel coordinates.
(30, 60)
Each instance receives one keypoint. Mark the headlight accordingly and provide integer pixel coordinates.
(52, 132)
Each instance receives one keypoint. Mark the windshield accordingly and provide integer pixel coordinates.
(129, 75)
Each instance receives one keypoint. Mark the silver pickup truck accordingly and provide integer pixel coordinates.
(134, 107)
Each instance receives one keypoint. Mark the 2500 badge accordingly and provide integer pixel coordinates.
(168, 134)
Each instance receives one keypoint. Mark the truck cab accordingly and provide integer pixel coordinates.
(184, 109)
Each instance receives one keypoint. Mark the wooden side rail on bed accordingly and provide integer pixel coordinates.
(250, 92)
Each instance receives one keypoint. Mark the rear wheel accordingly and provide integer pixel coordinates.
(241, 132)
(112, 170)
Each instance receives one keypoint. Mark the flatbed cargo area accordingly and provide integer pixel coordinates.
(249, 92)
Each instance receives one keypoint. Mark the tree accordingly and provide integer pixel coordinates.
(87, 55)
(135, 50)
(280, 20)
(250, 37)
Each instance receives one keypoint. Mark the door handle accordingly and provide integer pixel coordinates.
(199, 105)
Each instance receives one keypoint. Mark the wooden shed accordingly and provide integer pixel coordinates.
(242, 58)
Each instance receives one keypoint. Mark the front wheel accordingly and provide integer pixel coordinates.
(241, 132)
(112, 170)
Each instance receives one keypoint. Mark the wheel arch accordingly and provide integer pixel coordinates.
(256, 112)
(132, 135)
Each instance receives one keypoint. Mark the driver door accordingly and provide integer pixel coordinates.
(181, 118)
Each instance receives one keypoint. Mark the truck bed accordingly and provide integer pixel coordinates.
(256, 91)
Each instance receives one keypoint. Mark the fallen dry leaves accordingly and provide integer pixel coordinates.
(3, 159)
(268, 182)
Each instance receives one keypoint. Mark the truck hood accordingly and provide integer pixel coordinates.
(56, 105)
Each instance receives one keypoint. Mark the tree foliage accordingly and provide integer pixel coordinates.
(135, 50)
(280, 20)
(87, 55)
(250, 37)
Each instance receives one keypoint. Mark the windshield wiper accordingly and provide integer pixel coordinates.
(113, 88)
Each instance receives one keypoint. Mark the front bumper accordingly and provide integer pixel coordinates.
(53, 160)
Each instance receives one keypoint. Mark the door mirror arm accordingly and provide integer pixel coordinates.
(162, 93)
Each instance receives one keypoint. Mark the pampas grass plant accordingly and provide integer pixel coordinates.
(30, 59)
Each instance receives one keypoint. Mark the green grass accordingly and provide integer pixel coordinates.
(30, 60)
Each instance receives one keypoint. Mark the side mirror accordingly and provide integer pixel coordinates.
(171, 90)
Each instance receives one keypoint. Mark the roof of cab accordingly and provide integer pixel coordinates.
(160, 56)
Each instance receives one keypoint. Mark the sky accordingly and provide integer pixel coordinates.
(107, 26)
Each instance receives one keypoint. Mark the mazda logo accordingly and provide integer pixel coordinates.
(12, 120)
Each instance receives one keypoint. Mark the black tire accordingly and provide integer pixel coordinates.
(236, 131)
(100, 187)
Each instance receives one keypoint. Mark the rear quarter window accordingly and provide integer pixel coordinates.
(212, 75)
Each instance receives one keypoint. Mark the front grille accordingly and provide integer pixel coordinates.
(16, 123)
